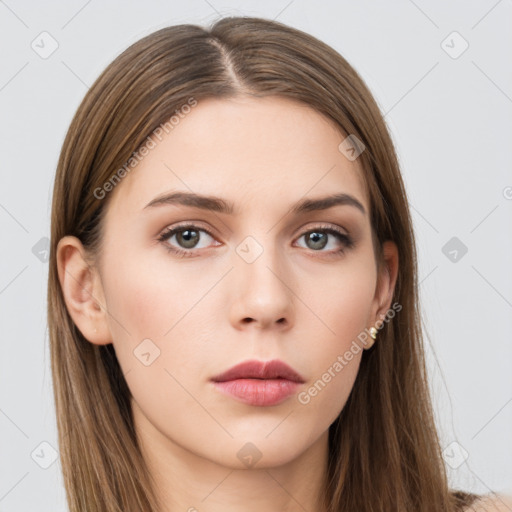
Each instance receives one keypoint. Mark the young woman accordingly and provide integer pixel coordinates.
(233, 303)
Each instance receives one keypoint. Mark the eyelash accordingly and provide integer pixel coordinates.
(346, 240)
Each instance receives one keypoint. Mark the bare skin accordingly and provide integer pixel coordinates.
(497, 503)
(298, 301)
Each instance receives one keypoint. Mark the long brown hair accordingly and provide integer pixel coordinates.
(384, 451)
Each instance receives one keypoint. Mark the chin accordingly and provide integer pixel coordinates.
(259, 452)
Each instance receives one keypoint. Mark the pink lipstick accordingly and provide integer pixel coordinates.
(259, 383)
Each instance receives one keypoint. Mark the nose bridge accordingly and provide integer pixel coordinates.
(260, 259)
(263, 293)
(265, 258)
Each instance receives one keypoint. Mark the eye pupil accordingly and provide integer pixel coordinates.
(314, 236)
(185, 237)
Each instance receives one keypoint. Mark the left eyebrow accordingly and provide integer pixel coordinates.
(323, 203)
(217, 204)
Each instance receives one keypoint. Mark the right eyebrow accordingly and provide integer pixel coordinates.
(211, 203)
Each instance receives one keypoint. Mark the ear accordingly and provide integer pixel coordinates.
(83, 291)
(385, 288)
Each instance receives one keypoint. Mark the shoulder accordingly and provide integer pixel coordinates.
(495, 503)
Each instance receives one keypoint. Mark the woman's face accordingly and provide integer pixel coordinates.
(258, 279)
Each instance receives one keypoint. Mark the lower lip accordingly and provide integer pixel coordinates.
(261, 392)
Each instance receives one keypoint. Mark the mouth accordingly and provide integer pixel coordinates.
(259, 383)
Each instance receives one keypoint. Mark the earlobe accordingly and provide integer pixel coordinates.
(82, 291)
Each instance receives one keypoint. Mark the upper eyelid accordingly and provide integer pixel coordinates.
(185, 226)
(196, 224)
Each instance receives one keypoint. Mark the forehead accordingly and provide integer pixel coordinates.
(262, 151)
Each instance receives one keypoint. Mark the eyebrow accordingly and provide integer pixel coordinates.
(219, 205)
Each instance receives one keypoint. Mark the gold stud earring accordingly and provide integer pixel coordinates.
(373, 334)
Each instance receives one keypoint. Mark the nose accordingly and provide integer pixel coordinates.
(262, 294)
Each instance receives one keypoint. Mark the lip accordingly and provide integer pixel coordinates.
(259, 383)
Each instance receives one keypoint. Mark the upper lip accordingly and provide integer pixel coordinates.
(274, 369)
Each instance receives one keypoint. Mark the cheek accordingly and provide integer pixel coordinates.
(162, 322)
(342, 308)
(342, 301)
(162, 333)
(149, 299)
(325, 396)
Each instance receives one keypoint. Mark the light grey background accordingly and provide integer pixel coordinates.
(450, 117)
